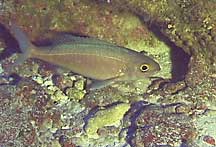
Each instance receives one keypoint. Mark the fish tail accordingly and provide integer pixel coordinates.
(24, 43)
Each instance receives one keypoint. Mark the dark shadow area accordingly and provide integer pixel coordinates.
(12, 79)
(11, 44)
(11, 48)
(179, 58)
(134, 112)
(180, 61)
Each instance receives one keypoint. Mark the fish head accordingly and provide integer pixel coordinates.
(143, 66)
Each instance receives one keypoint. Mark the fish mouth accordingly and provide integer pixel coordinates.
(154, 77)
(154, 71)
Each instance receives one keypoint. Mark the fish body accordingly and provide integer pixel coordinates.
(93, 58)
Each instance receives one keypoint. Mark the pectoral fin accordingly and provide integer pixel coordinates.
(98, 84)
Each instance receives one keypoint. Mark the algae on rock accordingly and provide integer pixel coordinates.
(188, 24)
(107, 117)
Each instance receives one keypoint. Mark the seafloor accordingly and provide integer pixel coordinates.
(40, 108)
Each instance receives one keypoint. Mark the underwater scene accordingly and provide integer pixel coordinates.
(107, 73)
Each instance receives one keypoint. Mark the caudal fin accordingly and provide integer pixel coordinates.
(23, 41)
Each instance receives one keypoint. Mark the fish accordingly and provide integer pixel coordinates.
(102, 62)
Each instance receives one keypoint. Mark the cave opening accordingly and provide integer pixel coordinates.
(179, 58)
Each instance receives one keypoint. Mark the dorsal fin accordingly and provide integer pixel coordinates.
(61, 38)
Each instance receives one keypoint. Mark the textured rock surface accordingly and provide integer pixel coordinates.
(189, 24)
(41, 108)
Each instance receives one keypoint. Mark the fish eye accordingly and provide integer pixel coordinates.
(144, 67)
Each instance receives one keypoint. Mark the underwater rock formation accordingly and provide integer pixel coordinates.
(42, 107)
(188, 24)
(111, 116)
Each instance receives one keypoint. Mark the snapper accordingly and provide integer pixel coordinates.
(103, 62)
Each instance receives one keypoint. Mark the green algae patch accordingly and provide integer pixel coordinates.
(106, 117)
(1, 69)
(75, 94)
